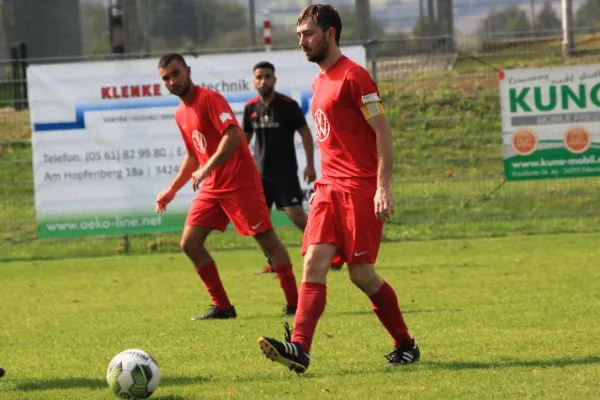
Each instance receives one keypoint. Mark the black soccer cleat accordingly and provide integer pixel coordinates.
(215, 313)
(404, 354)
(287, 353)
(289, 311)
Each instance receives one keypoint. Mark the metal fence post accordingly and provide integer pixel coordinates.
(16, 77)
(372, 53)
(23, 65)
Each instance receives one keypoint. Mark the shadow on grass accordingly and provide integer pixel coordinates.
(88, 383)
(404, 311)
(552, 362)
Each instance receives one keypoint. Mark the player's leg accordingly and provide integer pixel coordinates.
(318, 249)
(362, 238)
(384, 304)
(204, 216)
(282, 265)
(299, 218)
(247, 212)
(270, 200)
(289, 197)
(297, 215)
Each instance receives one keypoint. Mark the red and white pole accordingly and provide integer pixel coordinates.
(267, 31)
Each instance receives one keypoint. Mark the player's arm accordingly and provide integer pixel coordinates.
(385, 149)
(384, 203)
(189, 164)
(307, 142)
(247, 124)
(232, 138)
(299, 123)
(365, 95)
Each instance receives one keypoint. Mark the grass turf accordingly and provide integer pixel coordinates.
(513, 317)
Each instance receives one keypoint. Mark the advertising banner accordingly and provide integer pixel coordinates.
(105, 141)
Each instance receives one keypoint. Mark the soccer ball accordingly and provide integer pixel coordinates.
(133, 374)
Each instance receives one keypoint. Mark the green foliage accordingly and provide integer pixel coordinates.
(94, 29)
(197, 21)
(588, 15)
(547, 19)
(510, 21)
(425, 28)
(350, 28)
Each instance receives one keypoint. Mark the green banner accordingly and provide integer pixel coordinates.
(552, 163)
(116, 225)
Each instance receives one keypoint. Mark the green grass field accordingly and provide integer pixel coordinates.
(515, 317)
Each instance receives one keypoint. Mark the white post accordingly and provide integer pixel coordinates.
(568, 44)
(267, 31)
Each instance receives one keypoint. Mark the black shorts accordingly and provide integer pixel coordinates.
(284, 194)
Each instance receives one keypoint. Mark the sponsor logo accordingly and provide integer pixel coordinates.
(129, 91)
(322, 125)
(524, 142)
(225, 116)
(577, 140)
(199, 141)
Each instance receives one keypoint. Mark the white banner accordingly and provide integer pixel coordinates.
(551, 122)
(105, 141)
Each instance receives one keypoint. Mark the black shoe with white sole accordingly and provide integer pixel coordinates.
(216, 313)
(407, 353)
(290, 354)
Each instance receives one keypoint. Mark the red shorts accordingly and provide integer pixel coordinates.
(245, 208)
(345, 220)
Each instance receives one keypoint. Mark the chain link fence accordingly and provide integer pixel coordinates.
(442, 101)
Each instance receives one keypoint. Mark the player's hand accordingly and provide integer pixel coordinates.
(310, 175)
(311, 198)
(384, 202)
(163, 199)
(198, 177)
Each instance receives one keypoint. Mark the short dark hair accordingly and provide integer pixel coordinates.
(168, 58)
(325, 16)
(264, 64)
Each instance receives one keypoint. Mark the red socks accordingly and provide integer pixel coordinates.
(210, 276)
(385, 305)
(287, 281)
(311, 304)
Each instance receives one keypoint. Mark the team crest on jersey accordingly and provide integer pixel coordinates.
(322, 125)
(199, 141)
(225, 116)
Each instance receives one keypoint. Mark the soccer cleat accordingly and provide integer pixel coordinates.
(287, 353)
(403, 354)
(215, 313)
(289, 311)
(266, 270)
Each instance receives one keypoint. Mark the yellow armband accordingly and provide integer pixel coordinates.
(373, 109)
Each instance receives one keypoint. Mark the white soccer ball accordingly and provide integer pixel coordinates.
(133, 374)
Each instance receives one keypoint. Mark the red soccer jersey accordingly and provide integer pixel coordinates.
(346, 140)
(202, 124)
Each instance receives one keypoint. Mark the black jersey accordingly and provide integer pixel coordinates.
(274, 126)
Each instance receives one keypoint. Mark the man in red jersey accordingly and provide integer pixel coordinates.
(229, 189)
(353, 197)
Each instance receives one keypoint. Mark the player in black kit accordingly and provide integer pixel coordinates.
(273, 119)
